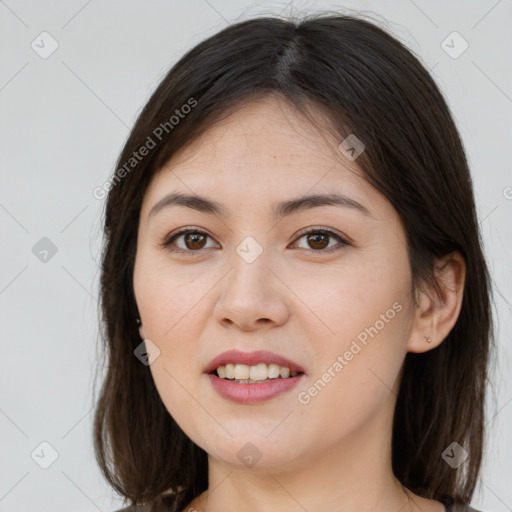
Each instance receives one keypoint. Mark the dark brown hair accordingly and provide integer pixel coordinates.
(365, 82)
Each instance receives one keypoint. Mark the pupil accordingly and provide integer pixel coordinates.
(314, 239)
(193, 237)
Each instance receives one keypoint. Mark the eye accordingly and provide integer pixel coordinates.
(318, 239)
(193, 240)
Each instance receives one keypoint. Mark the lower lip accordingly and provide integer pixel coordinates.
(252, 393)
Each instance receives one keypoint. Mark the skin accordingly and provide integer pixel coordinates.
(333, 453)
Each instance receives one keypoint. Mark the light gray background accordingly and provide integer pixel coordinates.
(64, 121)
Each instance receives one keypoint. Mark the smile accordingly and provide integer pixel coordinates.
(255, 392)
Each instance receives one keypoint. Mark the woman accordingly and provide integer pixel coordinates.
(296, 306)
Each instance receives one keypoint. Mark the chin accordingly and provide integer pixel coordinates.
(257, 451)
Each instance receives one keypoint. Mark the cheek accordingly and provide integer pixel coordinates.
(360, 344)
(349, 301)
(167, 297)
(171, 384)
(170, 302)
(353, 381)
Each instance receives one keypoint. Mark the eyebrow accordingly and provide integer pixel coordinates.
(279, 210)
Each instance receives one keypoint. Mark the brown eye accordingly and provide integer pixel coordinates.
(194, 241)
(191, 240)
(318, 240)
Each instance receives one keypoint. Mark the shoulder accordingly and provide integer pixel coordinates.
(160, 504)
(459, 507)
(156, 506)
(135, 508)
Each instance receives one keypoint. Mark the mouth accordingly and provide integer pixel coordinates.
(245, 391)
(256, 374)
(258, 365)
(252, 377)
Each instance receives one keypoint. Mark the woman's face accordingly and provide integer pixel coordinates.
(252, 280)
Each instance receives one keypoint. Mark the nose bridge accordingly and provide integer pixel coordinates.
(251, 292)
(250, 261)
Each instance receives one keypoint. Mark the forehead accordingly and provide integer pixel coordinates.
(265, 150)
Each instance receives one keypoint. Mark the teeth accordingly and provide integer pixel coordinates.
(242, 371)
(273, 371)
(285, 372)
(230, 371)
(259, 372)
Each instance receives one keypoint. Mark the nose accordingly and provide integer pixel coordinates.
(252, 295)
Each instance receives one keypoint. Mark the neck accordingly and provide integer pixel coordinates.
(353, 475)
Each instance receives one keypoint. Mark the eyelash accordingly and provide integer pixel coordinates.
(324, 231)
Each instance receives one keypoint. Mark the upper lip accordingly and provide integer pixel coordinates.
(251, 359)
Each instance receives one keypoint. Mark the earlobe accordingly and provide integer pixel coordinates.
(438, 310)
(141, 329)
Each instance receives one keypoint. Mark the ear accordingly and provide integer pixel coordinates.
(141, 332)
(437, 313)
